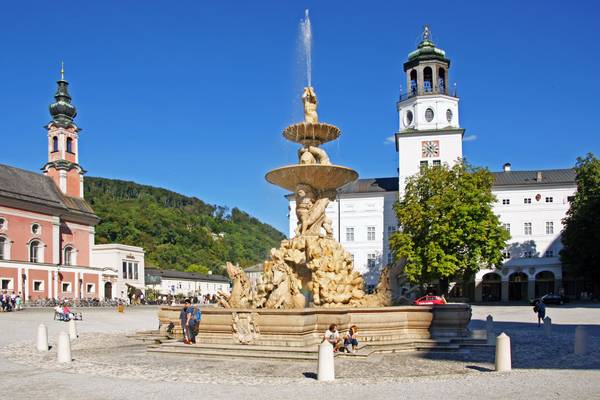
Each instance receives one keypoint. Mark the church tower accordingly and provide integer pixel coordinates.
(63, 149)
(429, 133)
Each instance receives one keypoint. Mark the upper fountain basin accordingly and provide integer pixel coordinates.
(320, 177)
(311, 134)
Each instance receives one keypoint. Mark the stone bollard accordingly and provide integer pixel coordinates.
(580, 340)
(73, 330)
(326, 367)
(64, 348)
(547, 326)
(503, 358)
(42, 338)
(490, 331)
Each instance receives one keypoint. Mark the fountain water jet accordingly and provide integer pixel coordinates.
(306, 38)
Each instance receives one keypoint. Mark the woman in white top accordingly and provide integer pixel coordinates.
(333, 336)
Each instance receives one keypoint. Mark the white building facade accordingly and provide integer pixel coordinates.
(171, 282)
(127, 262)
(530, 204)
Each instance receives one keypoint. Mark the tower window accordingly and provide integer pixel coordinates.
(442, 80)
(54, 144)
(413, 82)
(429, 114)
(69, 145)
(427, 79)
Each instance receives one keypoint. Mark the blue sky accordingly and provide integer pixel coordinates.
(193, 95)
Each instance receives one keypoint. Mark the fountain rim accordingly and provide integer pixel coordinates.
(348, 175)
(332, 133)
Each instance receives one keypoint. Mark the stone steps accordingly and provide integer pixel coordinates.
(238, 351)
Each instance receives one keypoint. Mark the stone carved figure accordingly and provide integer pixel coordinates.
(313, 155)
(240, 296)
(310, 211)
(309, 99)
(245, 327)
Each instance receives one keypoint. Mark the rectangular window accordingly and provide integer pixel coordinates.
(124, 269)
(349, 234)
(527, 228)
(527, 254)
(89, 288)
(391, 229)
(370, 233)
(549, 199)
(570, 199)
(66, 287)
(505, 201)
(527, 200)
(505, 254)
(424, 164)
(129, 270)
(549, 253)
(38, 286)
(549, 228)
(135, 271)
(507, 227)
(7, 284)
(437, 163)
(371, 261)
(2, 243)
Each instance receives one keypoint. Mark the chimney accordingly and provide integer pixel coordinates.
(506, 167)
(539, 176)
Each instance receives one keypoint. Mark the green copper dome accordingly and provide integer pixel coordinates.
(426, 51)
(62, 111)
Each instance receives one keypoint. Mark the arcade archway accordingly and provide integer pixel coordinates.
(544, 283)
(108, 290)
(517, 286)
(491, 287)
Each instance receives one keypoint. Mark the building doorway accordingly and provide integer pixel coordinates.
(491, 287)
(544, 283)
(517, 286)
(108, 290)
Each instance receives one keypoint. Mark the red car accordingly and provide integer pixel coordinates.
(429, 300)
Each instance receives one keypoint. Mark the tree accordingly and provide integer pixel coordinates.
(197, 268)
(447, 227)
(581, 234)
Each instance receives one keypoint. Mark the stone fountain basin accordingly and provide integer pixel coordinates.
(377, 326)
(320, 177)
(311, 134)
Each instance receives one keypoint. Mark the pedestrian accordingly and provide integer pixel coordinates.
(194, 318)
(540, 309)
(184, 317)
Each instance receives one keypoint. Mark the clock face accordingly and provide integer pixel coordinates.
(430, 148)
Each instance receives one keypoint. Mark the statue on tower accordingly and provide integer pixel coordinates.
(426, 33)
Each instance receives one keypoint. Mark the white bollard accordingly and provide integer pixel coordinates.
(42, 338)
(73, 330)
(580, 340)
(503, 358)
(64, 348)
(490, 331)
(547, 326)
(326, 367)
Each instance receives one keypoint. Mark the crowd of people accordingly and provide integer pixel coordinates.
(11, 302)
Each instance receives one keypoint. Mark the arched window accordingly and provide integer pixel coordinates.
(427, 79)
(69, 145)
(34, 252)
(442, 80)
(68, 258)
(2, 246)
(413, 82)
(54, 144)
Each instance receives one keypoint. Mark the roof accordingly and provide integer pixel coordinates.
(535, 177)
(255, 268)
(371, 185)
(39, 192)
(174, 274)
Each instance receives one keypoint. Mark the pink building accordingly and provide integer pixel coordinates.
(46, 226)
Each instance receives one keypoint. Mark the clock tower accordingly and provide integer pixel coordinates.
(429, 133)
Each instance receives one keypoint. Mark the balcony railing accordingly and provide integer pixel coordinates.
(427, 89)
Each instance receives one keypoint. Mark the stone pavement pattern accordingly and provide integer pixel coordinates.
(109, 365)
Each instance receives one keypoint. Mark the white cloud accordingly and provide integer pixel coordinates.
(390, 140)
(469, 138)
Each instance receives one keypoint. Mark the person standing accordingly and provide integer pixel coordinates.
(184, 318)
(540, 309)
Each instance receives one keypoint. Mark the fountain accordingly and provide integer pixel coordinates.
(309, 282)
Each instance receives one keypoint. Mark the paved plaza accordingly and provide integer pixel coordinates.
(108, 364)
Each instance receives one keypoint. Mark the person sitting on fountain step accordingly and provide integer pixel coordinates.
(351, 341)
(333, 336)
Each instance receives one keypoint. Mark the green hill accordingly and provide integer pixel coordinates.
(176, 231)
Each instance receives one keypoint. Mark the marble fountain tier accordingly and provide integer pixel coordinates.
(309, 282)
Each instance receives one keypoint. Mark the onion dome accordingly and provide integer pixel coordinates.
(426, 51)
(62, 111)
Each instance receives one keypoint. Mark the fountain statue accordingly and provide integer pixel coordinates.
(311, 268)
